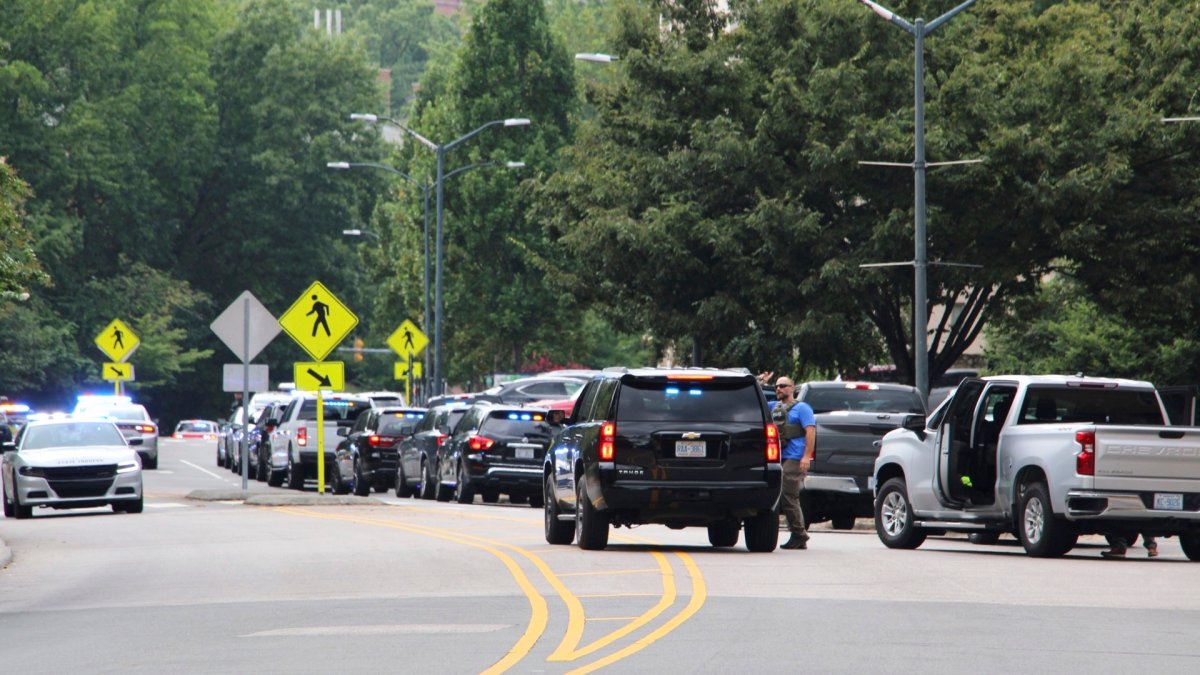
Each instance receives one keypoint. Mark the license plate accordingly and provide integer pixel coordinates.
(523, 453)
(1168, 501)
(690, 449)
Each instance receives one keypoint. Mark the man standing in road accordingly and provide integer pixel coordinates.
(798, 437)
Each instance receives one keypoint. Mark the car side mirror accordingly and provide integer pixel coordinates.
(915, 424)
(7, 446)
(343, 431)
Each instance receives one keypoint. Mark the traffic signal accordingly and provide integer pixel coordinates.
(358, 345)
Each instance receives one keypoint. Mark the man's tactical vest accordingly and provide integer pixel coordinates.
(787, 432)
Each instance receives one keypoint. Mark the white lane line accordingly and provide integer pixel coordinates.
(384, 629)
(167, 505)
(204, 470)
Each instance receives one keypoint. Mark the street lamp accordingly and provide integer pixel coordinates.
(595, 58)
(919, 29)
(358, 233)
(424, 185)
(440, 151)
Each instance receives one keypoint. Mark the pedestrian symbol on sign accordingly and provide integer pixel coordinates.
(321, 310)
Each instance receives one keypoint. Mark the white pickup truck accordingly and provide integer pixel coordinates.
(1045, 457)
(294, 441)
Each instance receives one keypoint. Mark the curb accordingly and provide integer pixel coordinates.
(251, 498)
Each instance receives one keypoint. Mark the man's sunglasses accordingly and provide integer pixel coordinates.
(782, 386)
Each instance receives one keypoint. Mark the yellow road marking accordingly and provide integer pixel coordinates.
(539, 612)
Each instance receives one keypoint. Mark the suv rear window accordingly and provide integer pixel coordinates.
(716, 400)
(516, 423)
(825, 399)
(335, 409)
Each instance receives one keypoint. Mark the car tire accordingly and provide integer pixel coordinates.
(134, 506)
(403, 489)
(440, 491)
(292, 476)
(842, 522)
(1190, 543)
(490, 496)
(151, 463)
(336, 484)
(535, 501)
(274, 478)
(9, 511)
(724, 534)
(762, 532)
(20, 511)
(263, 473)
(362, 487)
(558, 532)
(985, 538)
(894, 517)
(591, 526)
(1043, 533)
(427, 481)
(463, 492)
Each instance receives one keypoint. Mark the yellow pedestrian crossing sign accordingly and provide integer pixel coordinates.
(317, 375)
(117, 372)
(117, 341)
(318, 321)
(407, 339)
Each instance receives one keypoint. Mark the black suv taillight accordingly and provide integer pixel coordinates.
(772, 443)
(608, 434)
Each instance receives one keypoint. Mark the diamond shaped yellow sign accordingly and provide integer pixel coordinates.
(407, 339)
(117, 341)
(318, 321)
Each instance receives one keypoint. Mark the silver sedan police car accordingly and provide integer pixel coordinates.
(69, 464)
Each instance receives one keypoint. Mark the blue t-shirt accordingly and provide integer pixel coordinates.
(801, 414)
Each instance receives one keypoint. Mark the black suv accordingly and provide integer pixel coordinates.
(678, 447)
(370, 448)
(418, 452)
(495, 449)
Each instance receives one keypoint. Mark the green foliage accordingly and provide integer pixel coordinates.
(19, 267)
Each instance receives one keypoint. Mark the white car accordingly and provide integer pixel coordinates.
(71, 464)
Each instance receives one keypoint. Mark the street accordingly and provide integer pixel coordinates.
(391, 585)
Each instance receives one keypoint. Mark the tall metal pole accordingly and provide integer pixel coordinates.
(920, 262)
(437, 276)
(425, 326)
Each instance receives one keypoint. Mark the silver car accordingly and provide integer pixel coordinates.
(71, 464)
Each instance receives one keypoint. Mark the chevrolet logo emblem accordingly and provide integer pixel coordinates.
(691, 435)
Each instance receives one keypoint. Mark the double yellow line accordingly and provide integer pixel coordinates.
(568, 648)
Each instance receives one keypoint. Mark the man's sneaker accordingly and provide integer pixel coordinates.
(1114, 553)
(795, 543)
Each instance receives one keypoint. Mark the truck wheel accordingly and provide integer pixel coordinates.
(274, 478)
(591, 526)
(894, 517)
(724, 534)
(403, 489)
(293, 475)
(427, 481)
(842, 522)
(463, 493)
(762, 532)
(558, 532)
(19, 510)
(490, 496)
(1041, 532)
(1190, 543)
(362, 487)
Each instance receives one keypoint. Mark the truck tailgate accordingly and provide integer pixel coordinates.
(1148, 458)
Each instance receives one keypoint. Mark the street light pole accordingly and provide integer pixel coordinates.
(440, 151)
(424, 237)
(919, 29)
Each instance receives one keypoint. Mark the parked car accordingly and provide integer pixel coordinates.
(301, 439)
(368, 453)
(1045, 457)
(495, 449)
(135, 422)
(229, 436)
(690, 447)
(196, 429)
(418, 452)
(851, 418)
(529, 389)
(269, 463)
(566, 405)
(71, 463)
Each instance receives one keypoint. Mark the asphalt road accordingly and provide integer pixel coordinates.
(219, 585)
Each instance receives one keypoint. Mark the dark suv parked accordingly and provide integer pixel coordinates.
(677, 447)
(418, 452)
(370, 448)
(495, 449)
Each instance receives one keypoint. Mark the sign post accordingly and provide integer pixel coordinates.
(318, 321)
(119, 343)
(408, 341)
(246, 327)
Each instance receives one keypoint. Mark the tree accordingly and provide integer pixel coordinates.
(19, 267)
